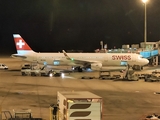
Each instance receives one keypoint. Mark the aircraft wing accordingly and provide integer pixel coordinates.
(79, 61)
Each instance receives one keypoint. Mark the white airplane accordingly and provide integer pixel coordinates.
(93, 60)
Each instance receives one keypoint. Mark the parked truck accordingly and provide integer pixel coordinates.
(77, 105)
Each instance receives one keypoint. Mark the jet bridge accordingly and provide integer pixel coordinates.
(152, 55)
(149, 54)
(151, 51)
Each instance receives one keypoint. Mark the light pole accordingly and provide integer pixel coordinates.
(145, 22)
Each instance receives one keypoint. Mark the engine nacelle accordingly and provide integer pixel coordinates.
(96, 66)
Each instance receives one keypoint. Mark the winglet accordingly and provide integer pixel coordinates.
(65, 54)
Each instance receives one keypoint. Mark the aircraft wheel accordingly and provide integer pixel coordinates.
(141, 67)
(23, 74)
(33, 74)
(80, 69)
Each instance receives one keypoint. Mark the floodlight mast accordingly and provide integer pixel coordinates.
(145, 22)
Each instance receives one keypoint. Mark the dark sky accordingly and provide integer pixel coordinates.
(53, 25)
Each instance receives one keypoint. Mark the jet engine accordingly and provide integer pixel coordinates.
(96, 66)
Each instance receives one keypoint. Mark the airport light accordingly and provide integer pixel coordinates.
(145, 21)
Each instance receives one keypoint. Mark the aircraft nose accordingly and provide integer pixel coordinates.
(146, 61)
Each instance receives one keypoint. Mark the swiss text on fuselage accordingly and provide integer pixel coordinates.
(121, 57)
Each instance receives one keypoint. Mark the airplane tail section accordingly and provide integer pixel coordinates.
(21, 46)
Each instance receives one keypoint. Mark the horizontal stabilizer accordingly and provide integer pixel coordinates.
(18, 56)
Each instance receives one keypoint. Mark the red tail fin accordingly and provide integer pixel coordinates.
(20, 43)
(21, 46)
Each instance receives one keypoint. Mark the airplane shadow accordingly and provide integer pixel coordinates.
(13, 70)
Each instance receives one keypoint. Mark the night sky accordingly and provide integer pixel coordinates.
(54, 25)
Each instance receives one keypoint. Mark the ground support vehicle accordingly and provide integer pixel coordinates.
(107, 75)
(18, 115)
(30, 71)
(26, 66)
(77, 105)
(152, 78)
(141, 76)
(3, 66)
(156, 72)
(87, 77)
(41, 72)
(152, 117)
(129, 74)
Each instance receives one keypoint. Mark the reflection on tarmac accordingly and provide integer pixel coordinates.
(63, 77)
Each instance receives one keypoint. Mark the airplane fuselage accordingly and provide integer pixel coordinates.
(107, 59)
